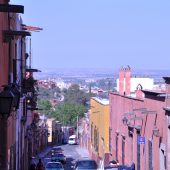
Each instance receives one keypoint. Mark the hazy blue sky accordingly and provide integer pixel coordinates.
(99, 33)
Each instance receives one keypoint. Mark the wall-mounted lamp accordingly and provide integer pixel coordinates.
(16, 92)
(6, 102)
(156, 131)
(125, 120)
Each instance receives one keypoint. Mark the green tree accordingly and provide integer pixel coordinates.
(75, 95)
(67, 113)
(45, 105)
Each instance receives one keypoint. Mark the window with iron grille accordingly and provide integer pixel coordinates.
(97, 141)
(150, 154)
(116, 147)
(123, 150)
(92, 134)
(24, 107)
(110, 139)
(138, 152)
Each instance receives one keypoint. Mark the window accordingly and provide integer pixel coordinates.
(138, 152)
(117, 146)
(92, 134)
(110, 131)
(95, 139)
(123, 150)
(150, 154)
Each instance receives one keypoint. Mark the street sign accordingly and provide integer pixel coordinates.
(141, 140)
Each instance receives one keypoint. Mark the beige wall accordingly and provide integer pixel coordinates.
(49, 124)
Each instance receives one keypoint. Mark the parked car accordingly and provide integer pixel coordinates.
(72, 140)
(111, 168)
(46, 160)
(85, 164)
(56, 150)
(58, 157)
(118, 167)
(54, 166)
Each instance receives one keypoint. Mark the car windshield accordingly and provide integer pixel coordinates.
(57, 148)
(86, 164)
(59, 155)
(71, 139)
(54, 165)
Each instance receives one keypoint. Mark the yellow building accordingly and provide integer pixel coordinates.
(49, 124)
(99, 129)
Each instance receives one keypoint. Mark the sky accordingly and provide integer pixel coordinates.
(99, 33)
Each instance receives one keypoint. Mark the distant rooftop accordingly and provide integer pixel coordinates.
(101, 100)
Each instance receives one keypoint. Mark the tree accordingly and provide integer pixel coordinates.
(67, 113)
(75, 95)
(45, 105)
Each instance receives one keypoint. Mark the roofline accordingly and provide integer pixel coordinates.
(99, 101)
(129, 97)
(166, 109)
(167, 79)
(154, 93)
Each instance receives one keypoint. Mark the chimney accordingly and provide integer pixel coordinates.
(121, 81)
(167, 81)
(127, 80)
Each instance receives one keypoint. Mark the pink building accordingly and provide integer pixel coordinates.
(139, 127)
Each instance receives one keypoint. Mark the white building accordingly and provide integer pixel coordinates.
(146, 83)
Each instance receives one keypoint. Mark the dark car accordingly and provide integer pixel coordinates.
(56, 150)
(58, 157)
(111, 168)
(123, 167)
(118, 167)
(85, 164)
(54, 166)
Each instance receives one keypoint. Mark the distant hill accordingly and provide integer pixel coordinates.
(97, 72)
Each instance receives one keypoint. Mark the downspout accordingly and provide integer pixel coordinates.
(9, 52)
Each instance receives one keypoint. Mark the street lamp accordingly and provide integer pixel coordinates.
(16, 92)
(6, 102)
(156, 131)
(125, 120)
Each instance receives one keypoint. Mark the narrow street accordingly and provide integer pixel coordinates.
(72, 152)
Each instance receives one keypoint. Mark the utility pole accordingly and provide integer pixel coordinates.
(77, 127)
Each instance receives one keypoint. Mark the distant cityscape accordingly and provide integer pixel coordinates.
(86, 76)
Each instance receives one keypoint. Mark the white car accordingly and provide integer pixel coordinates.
(72, 140)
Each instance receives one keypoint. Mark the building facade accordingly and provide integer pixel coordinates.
(99, 130)
(139, 128)
(18, 92)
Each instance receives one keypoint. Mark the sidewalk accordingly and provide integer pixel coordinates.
(44, 152)
(82, 152)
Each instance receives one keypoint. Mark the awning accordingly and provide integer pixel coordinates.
(11, 8)
(10, 34)
(16, 33)
(32, 70)
(33, 108)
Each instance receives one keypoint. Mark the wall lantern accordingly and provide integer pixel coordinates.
(156, 131)
(16, 92)
(6, 102)
(125, 120)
